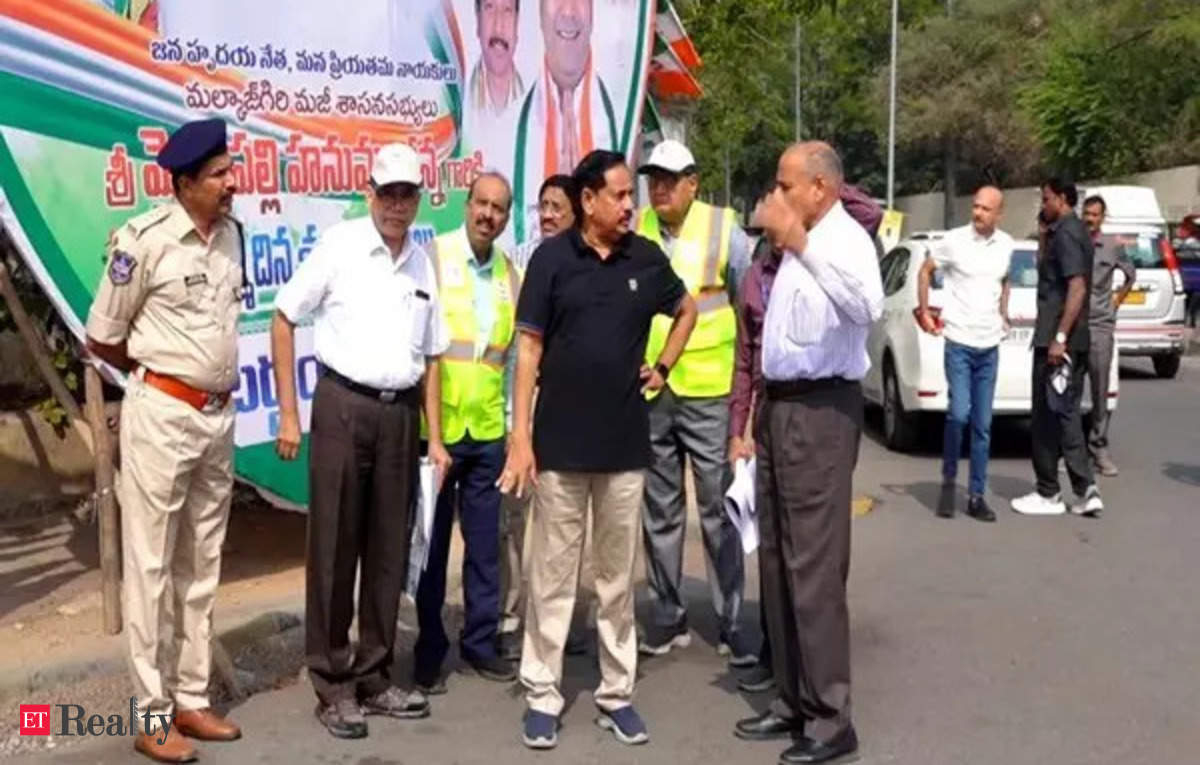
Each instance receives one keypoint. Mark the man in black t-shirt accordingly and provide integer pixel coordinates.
(1060, 350)
(584, 317)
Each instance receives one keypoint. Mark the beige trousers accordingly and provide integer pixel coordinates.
(514, 517)
(557, 525)
(175, 489)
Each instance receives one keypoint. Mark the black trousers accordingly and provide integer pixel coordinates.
(807, 449)
(1059, 434)
(363, 461)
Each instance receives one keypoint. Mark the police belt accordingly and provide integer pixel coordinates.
(404, 395)
(198, 399)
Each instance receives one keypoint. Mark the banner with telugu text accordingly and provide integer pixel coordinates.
(89, 92)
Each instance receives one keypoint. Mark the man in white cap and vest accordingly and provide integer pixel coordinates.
(378, 331)
(166, 311)
(689, 417)
(478, 287)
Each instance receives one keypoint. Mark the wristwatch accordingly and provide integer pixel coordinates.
(1060, 337)
(663, 370)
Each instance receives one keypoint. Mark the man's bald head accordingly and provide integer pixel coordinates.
(986, 209)
(810, 177)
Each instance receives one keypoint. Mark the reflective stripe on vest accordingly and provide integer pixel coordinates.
(701, 253)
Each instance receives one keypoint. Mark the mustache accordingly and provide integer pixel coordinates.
(498, 41)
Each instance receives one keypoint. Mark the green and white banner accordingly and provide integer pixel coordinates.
(89, 92)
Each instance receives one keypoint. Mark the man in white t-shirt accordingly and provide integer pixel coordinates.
(974, 260)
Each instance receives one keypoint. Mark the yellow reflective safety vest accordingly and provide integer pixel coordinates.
(473, 376)
(701, 255)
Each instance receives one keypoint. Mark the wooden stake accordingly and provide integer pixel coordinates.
(106, 503)
(33, 341)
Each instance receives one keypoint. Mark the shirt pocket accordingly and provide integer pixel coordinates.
(806, 321)
(187, 292)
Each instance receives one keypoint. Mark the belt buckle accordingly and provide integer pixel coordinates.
(387, 396)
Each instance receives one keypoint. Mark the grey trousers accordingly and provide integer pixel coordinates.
(807, 449)
(697, 428)
(1099, 361)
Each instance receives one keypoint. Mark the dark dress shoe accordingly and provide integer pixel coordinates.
(945, 505)
(841, 748)
(493, 668)
(978, 509)
(766, 727)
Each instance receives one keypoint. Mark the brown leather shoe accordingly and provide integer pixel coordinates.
(206, 725)
(174, 748)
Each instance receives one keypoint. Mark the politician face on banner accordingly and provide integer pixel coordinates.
(495, 81)
(568, 112)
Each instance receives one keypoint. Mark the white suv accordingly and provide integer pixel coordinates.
(907, 377)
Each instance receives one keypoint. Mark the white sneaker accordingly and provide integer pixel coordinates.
(1036, 504)
(1089, 504)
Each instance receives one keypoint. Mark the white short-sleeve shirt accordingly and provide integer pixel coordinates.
(974, 268)
(375, 318)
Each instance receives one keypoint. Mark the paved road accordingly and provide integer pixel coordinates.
(1051, 640)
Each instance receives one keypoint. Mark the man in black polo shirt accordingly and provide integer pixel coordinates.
(584, 317)
(1060, 350)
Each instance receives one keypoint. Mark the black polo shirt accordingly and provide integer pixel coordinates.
(594, 317)
(1069, 253)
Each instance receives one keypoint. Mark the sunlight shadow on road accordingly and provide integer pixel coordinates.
(1188, 474)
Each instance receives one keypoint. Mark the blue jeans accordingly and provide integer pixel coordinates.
(971, 377)
(470, 489)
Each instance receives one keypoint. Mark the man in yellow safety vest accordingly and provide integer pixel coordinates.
(478, 286)
(690, 416)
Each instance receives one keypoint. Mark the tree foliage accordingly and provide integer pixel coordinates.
(1011, 88)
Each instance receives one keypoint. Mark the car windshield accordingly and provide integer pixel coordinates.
(1145, 250)
(1023, 271)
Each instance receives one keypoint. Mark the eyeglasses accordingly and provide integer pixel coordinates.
(396, 193)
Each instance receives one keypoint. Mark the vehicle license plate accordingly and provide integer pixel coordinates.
(1136, 297)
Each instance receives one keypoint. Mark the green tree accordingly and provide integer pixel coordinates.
(1118, 89)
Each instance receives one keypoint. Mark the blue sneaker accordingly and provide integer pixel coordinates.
(625, 723)
(540, 730)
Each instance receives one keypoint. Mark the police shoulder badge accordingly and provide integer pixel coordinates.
(120, 267)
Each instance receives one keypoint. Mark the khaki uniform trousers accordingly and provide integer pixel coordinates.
(175, 488)
(554, 545)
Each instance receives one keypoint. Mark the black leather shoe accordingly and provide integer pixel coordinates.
(977, 508)
(945, 505)
(766, 727)
(841, 748)
(493, 668)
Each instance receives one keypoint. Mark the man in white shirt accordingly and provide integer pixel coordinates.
(372, 293)
(974, 260)
(823, 302)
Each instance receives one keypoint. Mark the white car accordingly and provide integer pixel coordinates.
(907, 377)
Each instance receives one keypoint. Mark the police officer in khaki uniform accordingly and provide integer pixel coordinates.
(166, 311)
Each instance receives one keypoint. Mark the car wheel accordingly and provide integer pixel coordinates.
(899, 426)
(1166, 365)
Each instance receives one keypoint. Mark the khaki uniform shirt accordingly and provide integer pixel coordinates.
(174, 297)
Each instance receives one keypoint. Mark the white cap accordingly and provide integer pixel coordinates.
(396, 163)
(671, 156)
